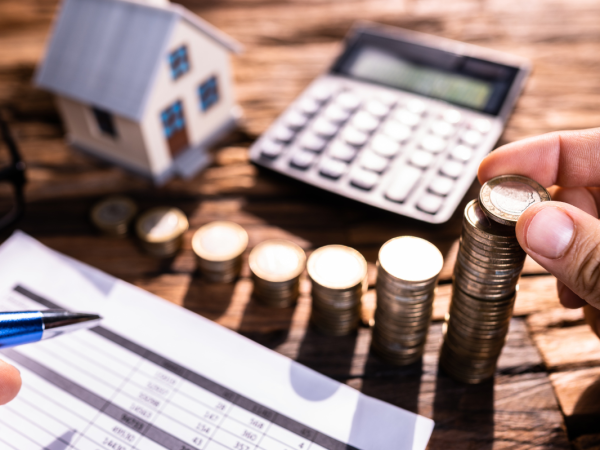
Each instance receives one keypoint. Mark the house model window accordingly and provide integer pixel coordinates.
(209, 93)
(179, 62)
(105, 122)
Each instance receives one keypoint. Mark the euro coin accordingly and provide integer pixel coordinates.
(161, 230)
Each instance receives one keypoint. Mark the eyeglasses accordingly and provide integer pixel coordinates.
(12, 179)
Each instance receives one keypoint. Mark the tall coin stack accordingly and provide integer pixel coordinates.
(276, 266)
(407, 272)
(339, 275)
(219, 247)
(486, 274)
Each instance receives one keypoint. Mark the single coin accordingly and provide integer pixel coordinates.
(113, 215)
(161, 230)
(220, 241)
(337, 267)
(504, 198)
(411, 259)
(277, 260)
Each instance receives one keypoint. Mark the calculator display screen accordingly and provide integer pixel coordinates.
(432, 72)
(377, 65)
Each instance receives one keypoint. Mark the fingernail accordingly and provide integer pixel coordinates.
(550, 233)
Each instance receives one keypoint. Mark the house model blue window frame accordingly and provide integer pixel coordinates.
(208, 93)
(172, 119)
(180, 64)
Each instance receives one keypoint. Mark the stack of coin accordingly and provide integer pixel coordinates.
(113, 215)
(276, 266)
(219, 247)
(338, 274)
(407, 272)
(486, 274)
(161, 230)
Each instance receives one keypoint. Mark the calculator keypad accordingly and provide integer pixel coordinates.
(389, 149)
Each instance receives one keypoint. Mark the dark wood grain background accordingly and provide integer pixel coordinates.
(547, 390)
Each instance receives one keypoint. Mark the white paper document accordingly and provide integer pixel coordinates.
(155, 376)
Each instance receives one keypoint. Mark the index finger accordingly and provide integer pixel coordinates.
(565, 158)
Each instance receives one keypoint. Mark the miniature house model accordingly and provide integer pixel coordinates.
(146, 85)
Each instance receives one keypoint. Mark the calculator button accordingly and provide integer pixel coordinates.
(332, 168)
(295, 120)
(364, 121)
(416, 106)
(373, 162)
(421, 159)
(303, 159)
(441, 186)
(322, 92)
(430, 203)
(472, 137)
(312, 142)
(377, 108)
(336, 114)
(397, 131)
(385, 146)
(271, 149)
(433, 144)
(452, 116)
(348, 101)
(364, 179)
(407, 118)
(283, 133)
(452, 169)
(325, 128)
(443, 129)
(482, 125)
(340, 150)
(354, 137)
(461, 153)
(404, 181)
(309, 106)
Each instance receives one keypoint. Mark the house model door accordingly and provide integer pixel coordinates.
(174, 125)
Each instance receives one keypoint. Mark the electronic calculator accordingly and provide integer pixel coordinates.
(400, 121)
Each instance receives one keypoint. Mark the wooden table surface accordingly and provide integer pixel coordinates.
(547, 390)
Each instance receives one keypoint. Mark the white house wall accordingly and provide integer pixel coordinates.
(126, 149)
(206, 58)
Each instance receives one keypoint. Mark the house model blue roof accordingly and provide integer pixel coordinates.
(106, 53)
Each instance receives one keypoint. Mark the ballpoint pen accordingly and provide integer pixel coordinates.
(23, 327)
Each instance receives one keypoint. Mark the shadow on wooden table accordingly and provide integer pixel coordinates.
(585, 418)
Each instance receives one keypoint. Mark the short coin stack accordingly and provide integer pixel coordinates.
(161, 230)
(338, 274)
(219, 247)
(407, 273)
(276, 266)
(113, 215)
(486, 274)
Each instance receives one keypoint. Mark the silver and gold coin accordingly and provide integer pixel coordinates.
(486, 274)
(407, 272)
(219, 247)
(506, 197)
(160, 230)
(276, 266)
(113, 215)
(338, 274)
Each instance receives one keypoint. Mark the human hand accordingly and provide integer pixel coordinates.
(10, 382)
(563, 235)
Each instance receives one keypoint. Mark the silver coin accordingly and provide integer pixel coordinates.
(506, 197)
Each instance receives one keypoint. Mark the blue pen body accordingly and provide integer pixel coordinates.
(18, 328)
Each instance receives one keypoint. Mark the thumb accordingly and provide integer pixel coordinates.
(566, 241)
(10, 382)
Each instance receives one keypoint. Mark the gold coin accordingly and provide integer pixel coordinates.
(337, 267)
(161, 224)
(506, 197)
(220, 241)
(411, 259)
(113, 215)
(277, 260)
